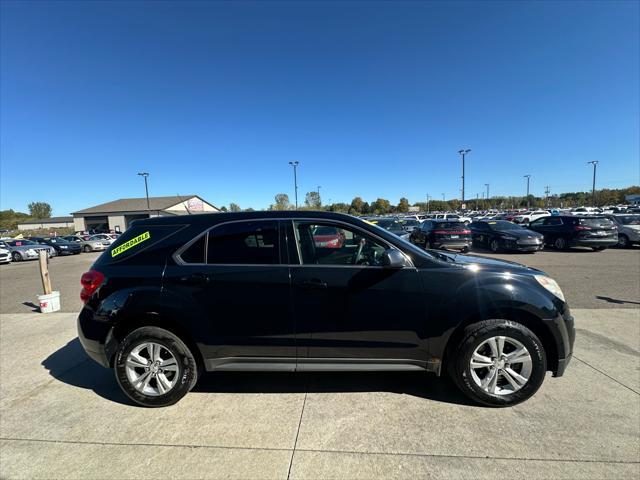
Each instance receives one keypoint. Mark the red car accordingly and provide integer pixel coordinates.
(328, 237)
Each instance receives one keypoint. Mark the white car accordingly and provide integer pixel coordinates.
(5, 255)
(528, 217)
(586, 211)
(453, 216)
(102, 237)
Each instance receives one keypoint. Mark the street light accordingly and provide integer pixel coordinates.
(146, 189)
(443, 197)
(528, 177)
(463, 152)
(428, 198)
(295, 179)
(593, 188)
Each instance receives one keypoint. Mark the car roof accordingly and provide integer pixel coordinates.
(213, 218)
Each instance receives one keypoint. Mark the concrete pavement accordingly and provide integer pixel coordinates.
(63, 416)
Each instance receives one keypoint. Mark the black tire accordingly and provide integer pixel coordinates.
(623, 241)
(464, 250)
(560, 243)
(494, 246)
(86, 249)
(187, 374)
(459, 358)
(598, 249)
(16, 256)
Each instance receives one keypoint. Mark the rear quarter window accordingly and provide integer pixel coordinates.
(137, 239)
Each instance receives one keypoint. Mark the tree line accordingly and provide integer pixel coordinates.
(381, 206)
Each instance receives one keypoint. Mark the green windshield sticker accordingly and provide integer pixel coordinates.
(130, 244)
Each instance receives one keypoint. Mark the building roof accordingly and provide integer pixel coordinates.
(137, 204)
(37, 221)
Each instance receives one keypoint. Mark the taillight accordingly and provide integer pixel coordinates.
(90, 281)
(580, 227)
(465, 232)
(441, 232)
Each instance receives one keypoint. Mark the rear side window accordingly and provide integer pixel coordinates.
(596, 222)
(137, 239)
(246, 243)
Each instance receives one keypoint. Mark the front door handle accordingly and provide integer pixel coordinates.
(314, 284)
(195, 279)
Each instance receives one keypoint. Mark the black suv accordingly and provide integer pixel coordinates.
(564, 231)
(174, 297)
(442, 234)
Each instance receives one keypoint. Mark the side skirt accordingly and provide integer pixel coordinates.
(276, 364)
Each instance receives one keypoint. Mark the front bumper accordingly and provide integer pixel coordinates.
(522, 247)
(563, 331)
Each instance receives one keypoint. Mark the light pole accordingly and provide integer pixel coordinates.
(528, 177)
(295, 179)
(443, 197)
(146, 189)
(462, 153)
(428, 198)
(593, 187)
(487, 185)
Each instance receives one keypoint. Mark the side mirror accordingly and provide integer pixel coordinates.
(393, 259)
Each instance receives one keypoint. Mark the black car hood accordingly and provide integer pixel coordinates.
(492, 263)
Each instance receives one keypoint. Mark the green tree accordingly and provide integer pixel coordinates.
(312, 200)
(234, 207)
(357, 205)
(282, 202)
(9, 219)
(39, 210)
(381, 206)
(403, 206)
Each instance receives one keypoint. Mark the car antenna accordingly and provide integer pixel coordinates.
(186, 206)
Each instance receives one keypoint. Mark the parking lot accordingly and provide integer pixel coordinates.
(63, 416)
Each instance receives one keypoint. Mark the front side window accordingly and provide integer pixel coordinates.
(248, 243)
(344, 246)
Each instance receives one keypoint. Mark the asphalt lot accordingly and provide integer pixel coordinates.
(589, 279)
(63, 416)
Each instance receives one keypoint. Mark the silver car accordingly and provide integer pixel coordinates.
(25, 249)
(628, 229)
(89, 245)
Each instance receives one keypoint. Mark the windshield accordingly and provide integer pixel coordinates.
(630, 220)
(389, 224)
(503, 225)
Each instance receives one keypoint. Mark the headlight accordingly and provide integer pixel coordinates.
(551, 285)
(63, 246)
(31, 251)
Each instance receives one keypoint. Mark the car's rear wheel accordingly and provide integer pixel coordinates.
(498, 363)
(427, 244)
(86, 249)
(560, 243)
(154, 367)
(16, 257)
(623, 241)
(494, 246)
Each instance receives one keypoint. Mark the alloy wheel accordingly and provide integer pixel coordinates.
(152, 369)
(501, 365)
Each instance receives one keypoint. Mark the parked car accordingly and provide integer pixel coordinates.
(586, 211)
(502, 235)
(62, 246)
(102, 237)
(628, 229)
(328, 237)
(88, 245)
(177, 296)
(410, 223)
(5, 255)
(394, 226)
(528, 217)
(564, 231)
(442, 234)
(452, 216)
(25, 249)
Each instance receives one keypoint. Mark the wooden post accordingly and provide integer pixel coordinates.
(43, 258)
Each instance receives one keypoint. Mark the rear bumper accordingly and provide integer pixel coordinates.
(96, 338)
(596, 242)
(462, 243)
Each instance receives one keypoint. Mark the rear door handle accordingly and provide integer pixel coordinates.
(313, 284)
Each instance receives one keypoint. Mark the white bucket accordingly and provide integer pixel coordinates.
(49, 303)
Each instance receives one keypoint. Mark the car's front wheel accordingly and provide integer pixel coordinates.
(154, 367)
(494, 245)
(86, 249)
(16, 256)
(623, 241)
(498, 363)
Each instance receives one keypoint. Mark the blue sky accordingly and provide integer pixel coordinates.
(373, 99)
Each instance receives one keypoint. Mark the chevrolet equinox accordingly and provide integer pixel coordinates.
(174, 297)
